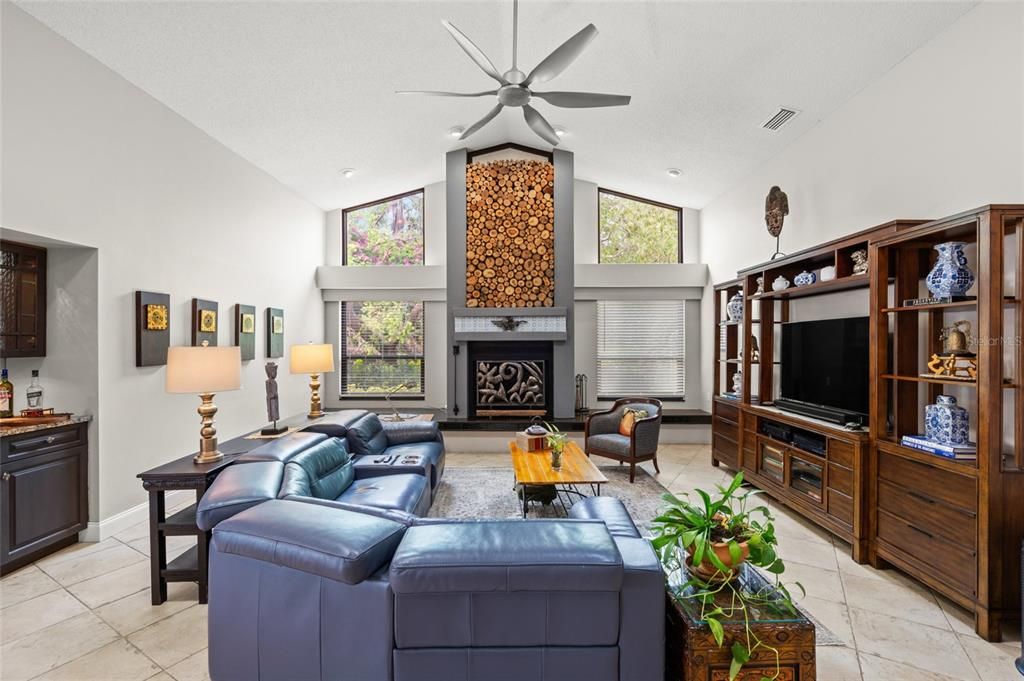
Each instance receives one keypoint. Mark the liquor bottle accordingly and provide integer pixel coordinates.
(6, 396)
(34, 392)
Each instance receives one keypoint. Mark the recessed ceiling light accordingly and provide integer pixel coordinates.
(560, 131)
(674, 172)
(348, 172)
(456, 131)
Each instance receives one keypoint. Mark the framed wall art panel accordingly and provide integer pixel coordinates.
(152, 328)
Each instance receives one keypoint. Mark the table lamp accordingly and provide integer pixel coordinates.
(313, 360)
(203, 371)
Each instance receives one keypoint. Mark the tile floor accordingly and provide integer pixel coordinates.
(84, 614)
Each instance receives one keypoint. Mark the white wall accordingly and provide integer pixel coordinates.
(940, 133)
(90, 159)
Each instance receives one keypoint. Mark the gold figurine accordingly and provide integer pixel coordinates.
(956, 361)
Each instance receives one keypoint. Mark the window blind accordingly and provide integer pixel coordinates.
(641, 349)
(381, 348)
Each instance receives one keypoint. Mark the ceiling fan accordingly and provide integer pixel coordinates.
(515, 86)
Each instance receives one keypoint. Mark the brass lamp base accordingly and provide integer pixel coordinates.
(208, 452)
(315, 411)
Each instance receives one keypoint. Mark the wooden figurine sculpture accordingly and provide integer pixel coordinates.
(956, 361)
(776, 208)
(755, 352)
(273, 402)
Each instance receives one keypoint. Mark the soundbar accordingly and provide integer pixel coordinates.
(838, 416)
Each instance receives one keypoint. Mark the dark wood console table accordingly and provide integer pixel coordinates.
(184, 473)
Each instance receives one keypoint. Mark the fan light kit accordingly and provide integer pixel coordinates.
(514, 85)
(456, 131)
(560, 131)
(347, 173)
(674, 172)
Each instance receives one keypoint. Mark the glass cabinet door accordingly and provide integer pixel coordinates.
(772, 462)
(805, 477)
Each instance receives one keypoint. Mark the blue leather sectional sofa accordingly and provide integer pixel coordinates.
(324, 567)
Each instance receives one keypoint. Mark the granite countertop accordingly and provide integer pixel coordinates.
(21, 430)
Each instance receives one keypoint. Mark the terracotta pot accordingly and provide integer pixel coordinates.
(707, 569)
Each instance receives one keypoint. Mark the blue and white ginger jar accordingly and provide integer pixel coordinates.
(947, 423)
(805, 278)
(951, 276)
(735, 308)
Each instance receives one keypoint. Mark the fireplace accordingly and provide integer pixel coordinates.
(510, 378)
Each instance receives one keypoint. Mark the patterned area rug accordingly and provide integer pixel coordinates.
(488, 493)
(476, 493)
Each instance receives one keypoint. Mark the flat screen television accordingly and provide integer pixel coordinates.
(825, 365)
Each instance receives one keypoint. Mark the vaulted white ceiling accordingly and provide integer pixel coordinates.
(304, 89)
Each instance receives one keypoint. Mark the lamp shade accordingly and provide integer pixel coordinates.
(200, 370)
(312, 359)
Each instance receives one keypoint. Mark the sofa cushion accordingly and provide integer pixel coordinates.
(366, 436)
(323, 471)
(336, 423)
(238, 487)
(330, 542)
(608, 510)
(405, 432)
(613, 443)
(406, 492)
(283, 448)
(540, 555)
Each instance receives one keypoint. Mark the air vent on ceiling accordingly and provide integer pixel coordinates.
(779, 119)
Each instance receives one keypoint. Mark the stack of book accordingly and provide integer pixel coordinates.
(968, 452)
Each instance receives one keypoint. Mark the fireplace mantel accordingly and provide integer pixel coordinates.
(535, 323)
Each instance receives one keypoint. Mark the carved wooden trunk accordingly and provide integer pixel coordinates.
(510, 236)
(691, 653)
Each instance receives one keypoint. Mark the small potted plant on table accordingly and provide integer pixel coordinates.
(708, 543)
(555, 440)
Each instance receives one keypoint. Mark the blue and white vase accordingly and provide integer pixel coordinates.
(735, 308)
(805, 278)
(946, 423)
(951, 276)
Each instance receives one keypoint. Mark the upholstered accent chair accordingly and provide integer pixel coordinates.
(602, 436)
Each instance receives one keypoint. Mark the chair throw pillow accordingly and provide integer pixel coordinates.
(629, 417)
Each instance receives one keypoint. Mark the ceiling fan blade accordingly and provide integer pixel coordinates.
(436, 93)
(482, 122)
(564, 54)
(539, 125)
(474, 52)
(581, 100)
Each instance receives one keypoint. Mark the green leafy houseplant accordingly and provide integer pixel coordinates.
(708, 541)
(555, 441)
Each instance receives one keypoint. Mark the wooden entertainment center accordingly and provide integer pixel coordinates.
(955, 525)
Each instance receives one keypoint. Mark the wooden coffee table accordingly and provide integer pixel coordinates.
(536, 480)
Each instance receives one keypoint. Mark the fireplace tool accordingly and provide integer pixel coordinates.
(581, 394)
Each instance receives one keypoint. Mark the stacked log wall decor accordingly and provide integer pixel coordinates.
(510, 236)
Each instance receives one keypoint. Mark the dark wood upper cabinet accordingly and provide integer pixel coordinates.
(22, 300)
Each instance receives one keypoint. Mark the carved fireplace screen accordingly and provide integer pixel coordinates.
(507, 386)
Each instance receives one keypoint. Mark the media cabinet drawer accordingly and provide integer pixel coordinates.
(956, 490)
(931, 515)
(841, 452)
(954, 564)
(727, 411)
(840, 506)
(841, 479)
(727, 429)
(726, 450)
